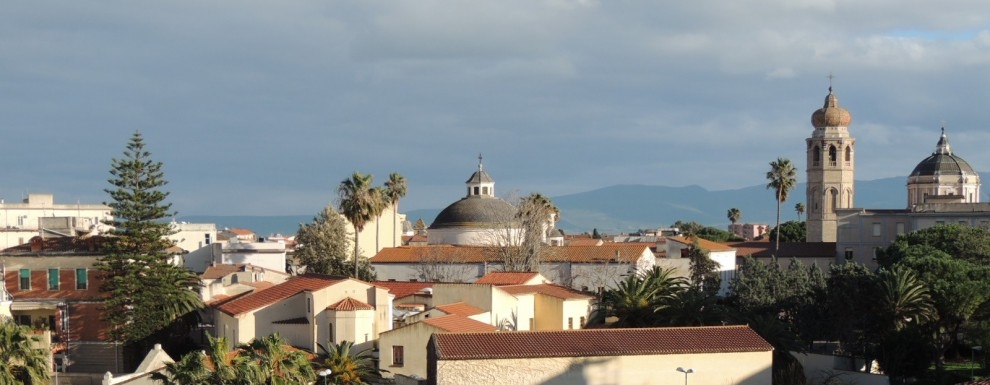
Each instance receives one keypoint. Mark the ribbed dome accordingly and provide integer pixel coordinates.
(476, 211)
(831, 115)
(942, 162)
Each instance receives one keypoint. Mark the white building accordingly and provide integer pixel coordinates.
(38, 214)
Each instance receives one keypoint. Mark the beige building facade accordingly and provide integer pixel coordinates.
(831, 165)
(21, 221)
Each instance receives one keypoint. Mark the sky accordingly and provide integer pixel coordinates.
(262, 108)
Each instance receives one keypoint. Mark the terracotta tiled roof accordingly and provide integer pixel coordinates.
(220, 271)
(608, 252)
(598, 342)
(260, 285)
(460, 308)
(459, 324)
(787, 249)
(502, 278)
(241, 231)
(291, 287)
(350, 304)
(75, 245)
(547, 289)
(403, 289)
(703, 243)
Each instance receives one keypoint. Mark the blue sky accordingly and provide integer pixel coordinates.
(261, 108)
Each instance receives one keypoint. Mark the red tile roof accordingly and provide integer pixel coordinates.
(547, 289)
(585, 242)
(350, 304)
(502, 278)
(608, 252)
(598, 342)
(459, 324)
(260, 285)
(291, 287)
(403, 289)
(241, 231)
(460, 308)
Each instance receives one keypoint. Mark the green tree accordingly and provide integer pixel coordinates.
(799, 209)
(957, 288)
(781, 178)
(717, 235)
(790, 231)
(323, 244)
(188, 370)
(963, 242)
(146, 291)
(395, 189)
(851, 303)
(704, 277)
(360, 202)
(20, 361)
(688, 229)
(734, 215)
(349, 368)
(595, 234)
(275, 363)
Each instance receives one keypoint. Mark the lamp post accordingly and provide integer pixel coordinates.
(324, 373)
(972, 359)
(686, 372)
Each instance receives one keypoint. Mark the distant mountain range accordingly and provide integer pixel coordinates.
(625, 208)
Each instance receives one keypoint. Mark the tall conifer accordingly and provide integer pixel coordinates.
(146, 291)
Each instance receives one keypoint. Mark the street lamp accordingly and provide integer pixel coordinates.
(324, 373)
(972, 359)
(686, 372)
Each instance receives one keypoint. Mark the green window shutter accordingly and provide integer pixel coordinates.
(25, 279)
(82, 280)
(53, 279)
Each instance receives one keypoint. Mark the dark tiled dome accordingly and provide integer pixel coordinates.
(831, 115)
(475, 211)
(942, 162)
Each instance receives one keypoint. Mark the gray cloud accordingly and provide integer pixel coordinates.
(262, 109)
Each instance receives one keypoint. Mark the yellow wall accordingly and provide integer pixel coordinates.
(709, 369)
(413, 339)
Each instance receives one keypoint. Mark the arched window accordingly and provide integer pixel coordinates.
(831, 155)
(816, 155)
(849, 154)
(831, 199)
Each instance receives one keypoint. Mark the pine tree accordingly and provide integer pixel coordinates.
(324, 244)
(145, 291)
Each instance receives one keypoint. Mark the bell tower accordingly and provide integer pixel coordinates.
(831, 166)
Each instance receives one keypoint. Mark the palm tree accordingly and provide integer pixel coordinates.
(20, 361)
(637, 299)
(395, 189)
(359, 203)
(799, 208)
(348, 368)
(215, 365)
(781, 178)
(274, 363)
(734, 214)
(904, 298)
(188, 370)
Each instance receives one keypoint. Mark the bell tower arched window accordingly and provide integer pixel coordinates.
(832, 154)
(848, 154)
(816, 156)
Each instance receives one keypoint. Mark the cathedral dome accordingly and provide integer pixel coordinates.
(476, 211)
(831, 115)
(942, 162)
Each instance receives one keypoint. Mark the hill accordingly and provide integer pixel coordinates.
(624, 208)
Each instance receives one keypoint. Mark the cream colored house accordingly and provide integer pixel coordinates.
(402, 351)
(223, 281)
(308, 310)
(38, 214)
(714, 355)
(581, 267)
(723, 255)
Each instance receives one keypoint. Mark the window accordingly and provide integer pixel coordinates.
(82, 279)
(25, 279)
(23, 320)
(484, 190)
(849, 254)
(848, 154)
(900, 228)
(475, 190)
(309, 305)
(877, 229)
(570, 322)
(818, 156)
(207, 238)
(398, 358)
(333, 339)
(53, 279)
(582, 322)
